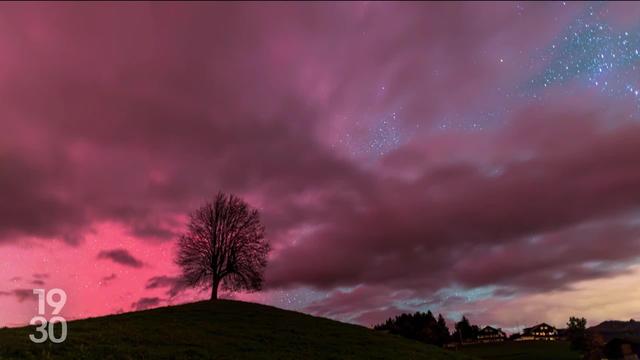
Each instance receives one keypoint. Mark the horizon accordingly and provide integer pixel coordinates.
(467, 159)
(450, 322)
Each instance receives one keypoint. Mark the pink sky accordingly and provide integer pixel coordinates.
(464, 158)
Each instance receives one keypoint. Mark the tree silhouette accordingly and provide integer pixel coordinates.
(465, 331)
(442, 331)
(223, 245)
(576, 332)
(418, 326)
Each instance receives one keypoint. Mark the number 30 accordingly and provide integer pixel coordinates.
(48, 335)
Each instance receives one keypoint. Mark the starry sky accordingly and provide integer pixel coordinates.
(472, 159)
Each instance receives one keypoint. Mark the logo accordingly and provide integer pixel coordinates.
(55, 298)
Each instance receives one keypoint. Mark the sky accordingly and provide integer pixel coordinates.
(474, 159)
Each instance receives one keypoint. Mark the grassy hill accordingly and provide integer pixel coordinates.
(523, 350)
(216, 330)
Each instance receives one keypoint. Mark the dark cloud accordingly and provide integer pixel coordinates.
(378, 316)
(106, 280)
(137, 124)
(135, 163)
(145, 303)
(174, 285)
(121, 256)
(341, 303)
(21, 295)
(83, 174)
(456, 213)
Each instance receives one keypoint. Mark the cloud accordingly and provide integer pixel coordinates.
(21, 295)
(553, 209)
(175, 285)
(145, 303)
(544, 197)
(267, 105)
(341, 303)
(555, 306)
(121, 256)
(106, 280)
(113, 177)
(379, 316)
(524, 228)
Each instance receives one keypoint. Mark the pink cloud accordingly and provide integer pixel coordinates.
(119, 120)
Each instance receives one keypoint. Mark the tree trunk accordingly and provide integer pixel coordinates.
(214, 289)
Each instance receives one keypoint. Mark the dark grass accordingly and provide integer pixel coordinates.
(523, 350)
(217, 330)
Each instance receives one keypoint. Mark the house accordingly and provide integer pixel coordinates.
(490, 334)
(621, 349)
(542, 331)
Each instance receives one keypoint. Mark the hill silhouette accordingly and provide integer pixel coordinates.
(611, 329)
(217, 330)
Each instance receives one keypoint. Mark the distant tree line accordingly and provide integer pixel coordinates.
(418, 326)
(431, 330)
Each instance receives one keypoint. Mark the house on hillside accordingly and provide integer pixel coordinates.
(490, 334)
(542, 331)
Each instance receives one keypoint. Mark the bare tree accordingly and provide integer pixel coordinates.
(224, 244)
